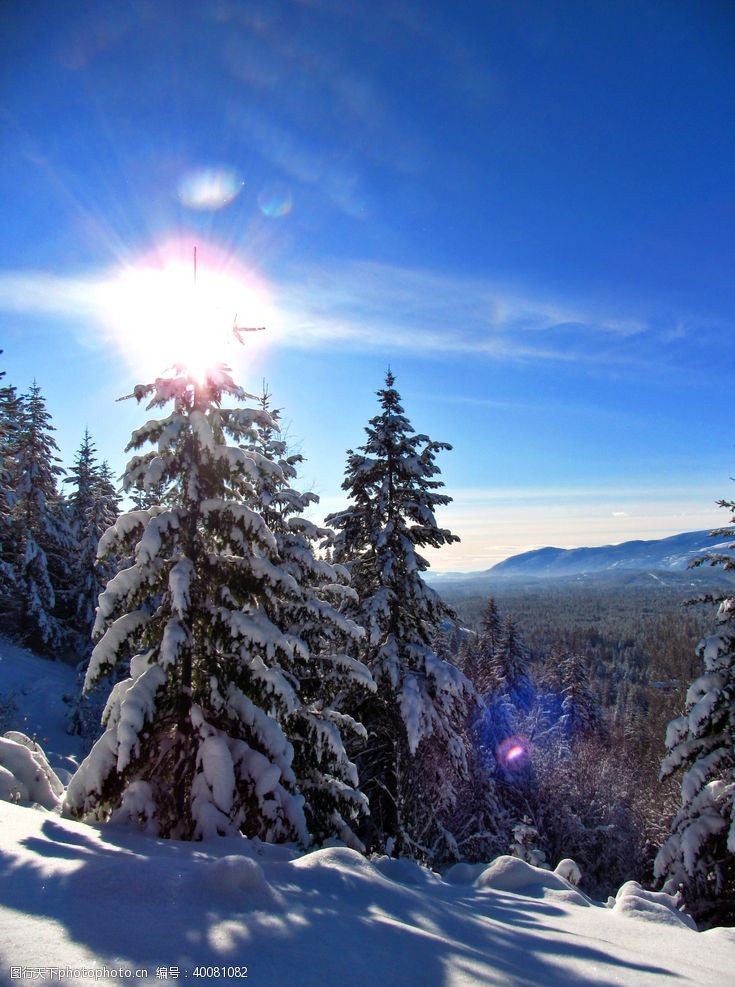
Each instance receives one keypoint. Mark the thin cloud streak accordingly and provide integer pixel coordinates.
(368, 307)
(37, 293)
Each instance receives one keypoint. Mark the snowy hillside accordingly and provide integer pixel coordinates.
(81, 898)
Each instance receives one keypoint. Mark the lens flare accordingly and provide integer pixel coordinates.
(160, 312)
(512, 753)
(275, 200)
(209, 188)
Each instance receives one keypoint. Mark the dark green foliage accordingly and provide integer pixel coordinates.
(415, 751)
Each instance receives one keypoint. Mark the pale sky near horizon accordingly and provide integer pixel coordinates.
(524, 209)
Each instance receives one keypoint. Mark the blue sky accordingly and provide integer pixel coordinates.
(524, 208)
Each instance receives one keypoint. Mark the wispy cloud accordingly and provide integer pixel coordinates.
(37, 293)
(368, 306)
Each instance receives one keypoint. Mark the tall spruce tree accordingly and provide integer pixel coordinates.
(698, 858)
(415, 752)
(92, 508)
(508, 696)
(511, 665)
(197, 738)
(41, 532)
(580, 706)
(9, 412)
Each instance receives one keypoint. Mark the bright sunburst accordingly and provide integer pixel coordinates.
(164, 310)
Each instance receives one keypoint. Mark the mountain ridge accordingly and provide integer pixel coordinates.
(670, 556)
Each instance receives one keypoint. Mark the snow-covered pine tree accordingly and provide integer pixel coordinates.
(415, 751)
(580, 707)
(480, 658)
(195, 741)
(40, 530)
(507, 701)
(327, 676)
(92, 508)
(9, 411)
(511, 665)
(698, 858)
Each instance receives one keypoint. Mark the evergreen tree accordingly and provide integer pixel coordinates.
(508, 699)
(93, 506)
(491, 626)
(479, 660)
(92, 509)
(580, 708)
(9, 412)
(197, 738)
(511, 666)
(415, 752)
(698, 858)
(41, 533)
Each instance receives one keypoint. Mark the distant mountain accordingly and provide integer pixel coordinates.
(663, 560)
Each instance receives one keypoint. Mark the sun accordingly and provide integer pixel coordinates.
(169, 309)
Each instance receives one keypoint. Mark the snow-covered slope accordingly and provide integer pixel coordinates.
(81, 898)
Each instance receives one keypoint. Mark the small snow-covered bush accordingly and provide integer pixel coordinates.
(26, 777)
(569, 870)
(525, 837)
(512, 874)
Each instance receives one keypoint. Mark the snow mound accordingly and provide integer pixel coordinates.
(653, 906)
(404, 871)
(464, 873)
(513, 874)
(233, 874)
(721, 934)
(569, 870)
(26, 777)
(336, 858)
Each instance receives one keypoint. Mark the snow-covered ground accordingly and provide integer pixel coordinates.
(95, 904)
